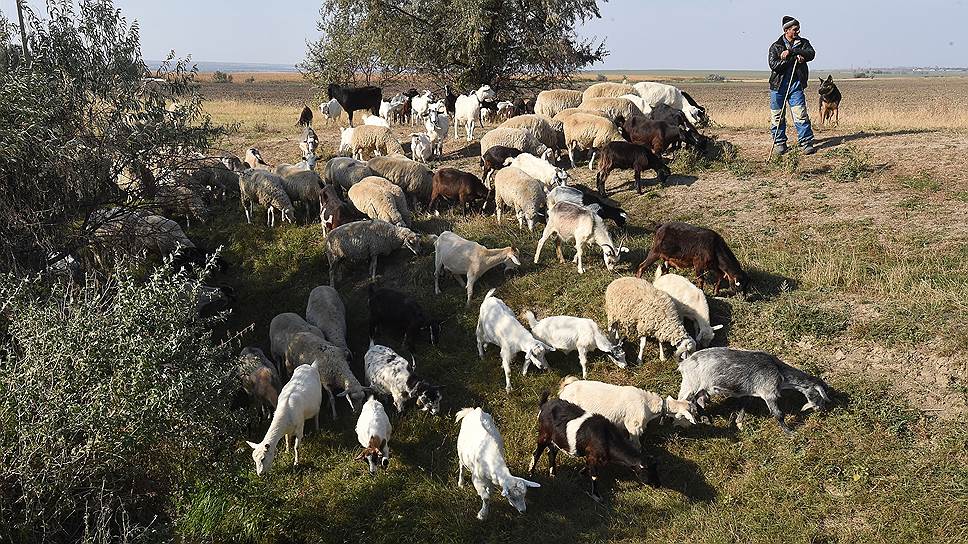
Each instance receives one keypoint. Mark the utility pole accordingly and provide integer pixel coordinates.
(23, 31)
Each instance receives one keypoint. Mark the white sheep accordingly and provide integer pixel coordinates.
(576, 223)
(299, 400)
(660, 93)
(691, 303)
(416, 180)
(461, 256)
(306, 165)
(523, 193)
(588, 131)
(389, 374)
(467, 109)
(368, 139)
(373, 431)
(567, 334)
(326, 311)
(497, 325)
(636, 309)
(606, 90)
(553, 101)
(362, 240)
(540, 169)
(480, 450)
(379, 199)
(518, 138)
(437, 125)
(261, 187)
(421, 147)
(332, 363)
(628, 407)
(331, 110)
(181, 197)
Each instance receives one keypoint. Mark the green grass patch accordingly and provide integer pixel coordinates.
(922, 181)
(855, 164)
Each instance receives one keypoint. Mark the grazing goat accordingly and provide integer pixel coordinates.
(606, 208)
(572, 222)
(397, 311)
(460, 256)
(454, 184)
(497, 325)
(567, 334)
(562, 425)
(299, 400)
(628, 156)
(356, 98)
(373, 433)
(333, 212)
(690, 301)
(741, 373)
(389, 374)
(628, 407)
(659, 136)
(480, 450)
(687, 246)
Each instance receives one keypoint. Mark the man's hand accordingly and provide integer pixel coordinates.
(801, 59)
(785, 54)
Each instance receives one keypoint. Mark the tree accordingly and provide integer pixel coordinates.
(515, 45)
(82, 110)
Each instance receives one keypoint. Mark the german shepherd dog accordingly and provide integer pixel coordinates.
(829, 100)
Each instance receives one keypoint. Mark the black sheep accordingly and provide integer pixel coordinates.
(400, 312)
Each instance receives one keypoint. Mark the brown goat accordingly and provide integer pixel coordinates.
(454, 184)
(338, 211)
(659, 136)
(687, 246)
(626, 155)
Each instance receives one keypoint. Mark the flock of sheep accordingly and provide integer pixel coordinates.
(366, 209)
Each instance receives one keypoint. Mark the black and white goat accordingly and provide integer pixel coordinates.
(606, 208)
(564, 426)
(390, 374)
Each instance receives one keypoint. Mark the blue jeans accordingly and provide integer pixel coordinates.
(798, 107)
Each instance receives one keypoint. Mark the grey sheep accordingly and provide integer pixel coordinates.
(258, 186)
(282, 328)
(346, 171)
(545, 129)
(636, 309)
(136, 232)
(518, 138)
(523, 193)
(303, 186)
(334, 368)
(416, 180)
(182, 197)
(379, 199)
(362, 240)
(741, 373)
(553, 101)
(260, 377)
(326, 311)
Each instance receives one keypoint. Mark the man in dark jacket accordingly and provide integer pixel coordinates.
(788, 51)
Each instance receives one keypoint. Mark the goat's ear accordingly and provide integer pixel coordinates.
(343, 394)
(529, 483)
(623, 249)
(252, 445)
(361, 455)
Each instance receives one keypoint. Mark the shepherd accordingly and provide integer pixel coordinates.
(788, 60)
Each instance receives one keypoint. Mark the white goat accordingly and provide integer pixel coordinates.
(628, 407)
(467, 109)
(419, 105)
(540, 169)
(480, 449)
(373, 433)
(437, 125)
(298, 401)
(568, 334)
(461, 256)
(331, 110)
(497, 325)
(420, 147)
(376, 121)
(571, 222)
(690, 301)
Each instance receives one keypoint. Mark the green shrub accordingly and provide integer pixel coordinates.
(856, 165)
(113, 401)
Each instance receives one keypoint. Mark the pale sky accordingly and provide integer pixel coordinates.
(640, 34)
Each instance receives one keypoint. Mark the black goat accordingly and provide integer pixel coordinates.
(356, 98)
(305, 118)
(450, 101)
(400, 312)
(493, 159)
(596, 439)
(627, 155)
